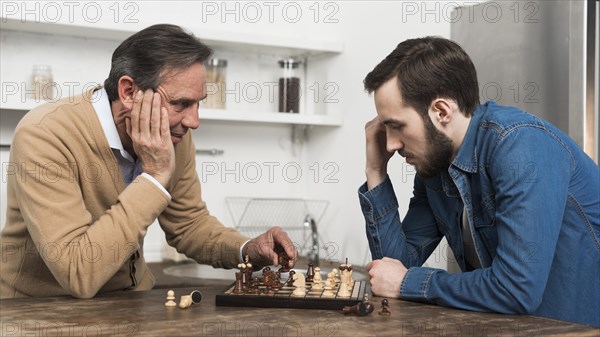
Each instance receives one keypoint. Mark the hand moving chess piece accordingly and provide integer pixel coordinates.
(300, 284)
(170, 299)
(283, 259)
(361, 309)
(385, 310)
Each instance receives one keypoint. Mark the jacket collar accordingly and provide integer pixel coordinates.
(466, 159)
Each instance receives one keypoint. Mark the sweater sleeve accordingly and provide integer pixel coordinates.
(187, 223)
(77, 247)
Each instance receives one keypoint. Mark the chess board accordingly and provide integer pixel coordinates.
(283, 298)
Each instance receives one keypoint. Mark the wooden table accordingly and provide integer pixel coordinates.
(144, 314)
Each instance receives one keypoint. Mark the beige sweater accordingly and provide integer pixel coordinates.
(72, 227)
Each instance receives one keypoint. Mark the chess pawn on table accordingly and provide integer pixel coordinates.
(300, 284)
(385, 308)
(170, 299)
(360, 309)
(185, 301)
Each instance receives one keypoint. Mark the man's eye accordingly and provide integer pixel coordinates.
(182, 105)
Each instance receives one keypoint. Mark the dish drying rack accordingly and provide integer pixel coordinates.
(297, 217)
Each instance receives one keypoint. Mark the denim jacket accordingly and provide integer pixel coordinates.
(533, 203)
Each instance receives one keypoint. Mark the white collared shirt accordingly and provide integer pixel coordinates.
(130, 168)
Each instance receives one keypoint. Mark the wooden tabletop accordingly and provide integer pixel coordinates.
(144, 314)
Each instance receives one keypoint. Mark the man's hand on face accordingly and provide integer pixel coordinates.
(386, 276)
(377, 154)
(149, 131)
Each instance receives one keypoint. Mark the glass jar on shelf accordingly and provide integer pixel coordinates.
(215, 83)
(42, 82)
(289, 86)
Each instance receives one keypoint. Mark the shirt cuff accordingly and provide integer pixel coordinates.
(378, 201)
(155, 182)
(416, 283)
(242, 249)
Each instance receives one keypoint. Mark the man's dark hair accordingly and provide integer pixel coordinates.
(429, 68)
(148, 53)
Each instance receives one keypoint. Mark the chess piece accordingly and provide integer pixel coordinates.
(328, 293)
(329, 284)
(283, 259)
(317, 277)
(343, 291)
(300, 284)
(385, 310)
(360, 309)
(317, 284)
(170, 299)
(239, 287)
(244, 275)
(248, 268)
(185, 301)
(290, 280)
(336, 274)
(196, 296)
(310, 272)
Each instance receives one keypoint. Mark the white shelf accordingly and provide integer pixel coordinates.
(267, 44)
(224, 115)
(244, 42)
(269, 117)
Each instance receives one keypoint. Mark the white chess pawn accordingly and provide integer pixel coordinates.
(328, 293)
(170, 299)
(329, 284)
(343, 292)
(336, 274)
(317, 277)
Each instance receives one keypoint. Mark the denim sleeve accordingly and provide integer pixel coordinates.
(410, 241)
(530, 172)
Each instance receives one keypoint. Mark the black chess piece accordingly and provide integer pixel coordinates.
(310, 272)
(385, 308)
(283, 259)
(196, 296)
(360, 309)
(290, 280)
(239, 287)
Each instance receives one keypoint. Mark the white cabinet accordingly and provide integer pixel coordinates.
(85, 59)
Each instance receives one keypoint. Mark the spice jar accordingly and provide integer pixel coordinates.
(42, 82)
(215, 83)
(289, 86)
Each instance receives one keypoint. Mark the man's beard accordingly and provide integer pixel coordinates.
(439, 152)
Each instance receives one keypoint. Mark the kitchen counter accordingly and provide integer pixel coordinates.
(144, 314)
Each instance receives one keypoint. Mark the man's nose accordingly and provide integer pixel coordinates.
(393, 144)
(191, 119)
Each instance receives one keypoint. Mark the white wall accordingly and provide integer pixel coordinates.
(369, 31)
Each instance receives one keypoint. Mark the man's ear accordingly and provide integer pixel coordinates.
(126, 89)
(440, 110)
